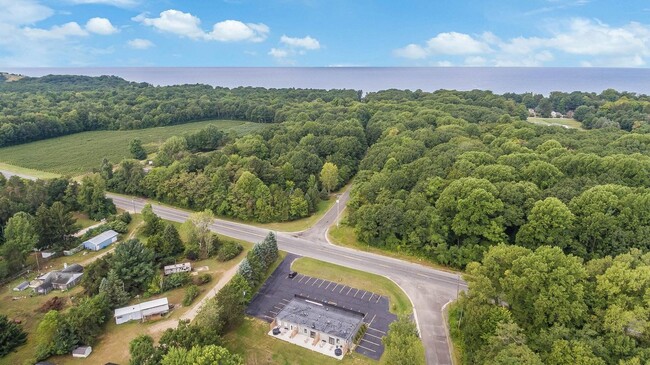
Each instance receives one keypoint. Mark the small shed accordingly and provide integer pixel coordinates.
(101, 241)
(141, 311)
(22, 286)
(82, 351)
(173, 269)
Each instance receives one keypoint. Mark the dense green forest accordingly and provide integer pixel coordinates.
(39, 108)
(534, 307)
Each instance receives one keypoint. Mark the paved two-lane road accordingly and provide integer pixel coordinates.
(428, 288)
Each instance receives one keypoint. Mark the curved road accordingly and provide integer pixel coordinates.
(429, 289)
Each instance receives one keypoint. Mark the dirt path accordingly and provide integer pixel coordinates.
(190, 314)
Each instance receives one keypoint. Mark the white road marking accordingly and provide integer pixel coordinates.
(348, 291)
(328, 285)
(364, 294)
(365, 348)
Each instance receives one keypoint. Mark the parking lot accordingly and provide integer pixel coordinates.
(278, 290)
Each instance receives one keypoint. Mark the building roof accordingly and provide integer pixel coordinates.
(64, 278)
(81, 350)
(322, 317)
(185, 265)
(144, 307)
(22, 286)
(102, 237)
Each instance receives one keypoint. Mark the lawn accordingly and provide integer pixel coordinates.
(399, 301)
(79, 153)
(83, 221)
(251, 340)
(568, 122)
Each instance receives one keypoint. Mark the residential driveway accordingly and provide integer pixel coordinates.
(278, 290)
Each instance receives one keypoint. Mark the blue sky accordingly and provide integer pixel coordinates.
(324, 33)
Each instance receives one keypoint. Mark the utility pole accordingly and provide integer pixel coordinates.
(133, 202)
(338, 211)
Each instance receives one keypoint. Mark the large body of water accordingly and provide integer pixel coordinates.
(499, 80)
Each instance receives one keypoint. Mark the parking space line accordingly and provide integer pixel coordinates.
(328, 285)
(276, 307)
(307, 282)
(372, 320)
(364, 294)
(365, 348)
(321, 284)
(335, 286)
(355, 294)
(379, 297)
(374, 329)
(366, 340)
(314, 282)
(276, 313)
(370, 334)
(343, 287)
(264, 315)
(348, 291)
(285, 300)
(303, 276)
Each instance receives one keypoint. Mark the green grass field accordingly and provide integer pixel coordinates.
(79, 153)
(570, 123)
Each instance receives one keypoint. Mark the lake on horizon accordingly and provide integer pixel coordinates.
(499, 80)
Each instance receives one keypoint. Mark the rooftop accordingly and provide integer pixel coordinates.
(141, 307)
(322, 317)
(102, 237)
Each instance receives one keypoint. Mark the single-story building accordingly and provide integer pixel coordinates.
(22, 286)
(82, 351)
(173, 269)
(65, 279)
(141, 311)
(101, 241)
(321, 322)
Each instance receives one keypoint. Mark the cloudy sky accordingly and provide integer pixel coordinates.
(325, 33)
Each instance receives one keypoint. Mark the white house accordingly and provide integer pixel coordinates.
(82, 351)
(141, 311)
(173, 269)
(100, 241)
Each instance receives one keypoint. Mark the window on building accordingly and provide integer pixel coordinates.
(331, 340)
(312, 334)
(338, 340)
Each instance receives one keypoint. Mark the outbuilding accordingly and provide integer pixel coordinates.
(101, 241)
(141, 311)
(82, 351)
(173, 269)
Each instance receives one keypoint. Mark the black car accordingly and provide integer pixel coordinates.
(292, 274)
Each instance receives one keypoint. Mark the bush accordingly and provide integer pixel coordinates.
(203, 279)
(125, 217)
(229, 250)
(192, 252)
(176, 280)
(191, 293)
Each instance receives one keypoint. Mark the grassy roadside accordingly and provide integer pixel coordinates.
(399, 301)
(28, 172)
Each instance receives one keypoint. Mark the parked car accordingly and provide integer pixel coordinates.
(292, 274)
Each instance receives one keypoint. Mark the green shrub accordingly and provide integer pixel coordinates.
(229, 250)
(176, 280)
(191, 293)
(203, 279)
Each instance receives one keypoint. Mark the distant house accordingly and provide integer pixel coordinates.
(141, 311)
(173, 269)
(65, 279)
(101, 241)
(82, 351)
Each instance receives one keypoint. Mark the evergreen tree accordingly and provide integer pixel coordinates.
(137, 151)
(113, 288)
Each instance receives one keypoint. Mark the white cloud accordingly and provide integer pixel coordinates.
(411, 51)
(278, 53)
(475, 61)
(56, 32)
(454, 43)
(305, 42)
(118, 3)
(101, 26)
(583, 41)
(236, 31)
(23, 12)
(139, 43)
(176, 22)
(188, 25)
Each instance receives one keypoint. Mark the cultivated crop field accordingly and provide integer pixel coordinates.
(79, 153)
